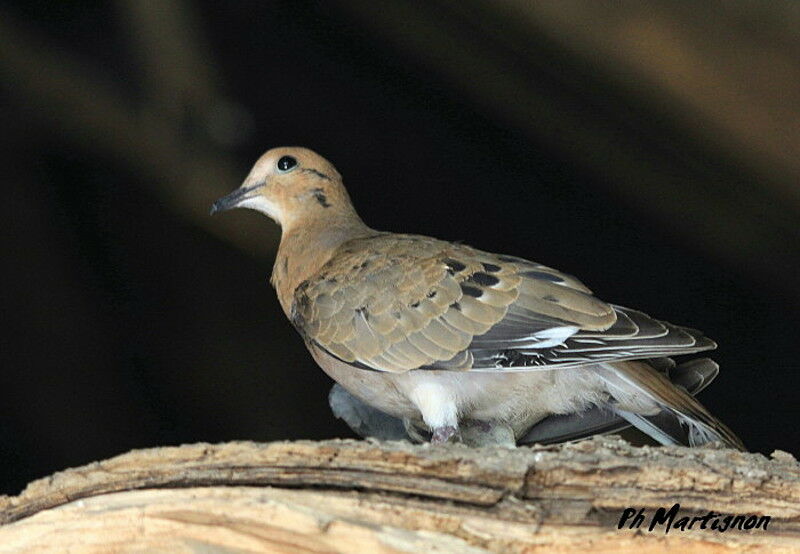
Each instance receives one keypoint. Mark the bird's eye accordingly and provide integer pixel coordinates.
(286, 163)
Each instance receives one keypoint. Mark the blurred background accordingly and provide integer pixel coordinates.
(650, 148)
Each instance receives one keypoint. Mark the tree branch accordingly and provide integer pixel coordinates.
(396, 497)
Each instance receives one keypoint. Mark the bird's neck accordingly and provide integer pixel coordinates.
(306, 247)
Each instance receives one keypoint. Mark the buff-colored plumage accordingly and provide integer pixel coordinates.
(399, 302)
(443, 336)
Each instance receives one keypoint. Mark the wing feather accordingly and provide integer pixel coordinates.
(400, 302)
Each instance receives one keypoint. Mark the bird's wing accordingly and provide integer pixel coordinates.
(634, 335)
(398, 302)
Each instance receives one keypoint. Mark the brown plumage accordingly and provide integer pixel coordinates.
(442, 335)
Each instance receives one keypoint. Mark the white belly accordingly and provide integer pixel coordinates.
(519, 399)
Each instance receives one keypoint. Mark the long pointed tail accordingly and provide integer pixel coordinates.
(650, 402)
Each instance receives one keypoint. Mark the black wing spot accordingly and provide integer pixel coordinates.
(543, 276)
(454, 266)
(550, 298)
(491, 268)
(456, 306)
(474, 292)
(431, 294)
(302, 286)
(299, 305)
(484, 279)
(414, 304)
(362, 311)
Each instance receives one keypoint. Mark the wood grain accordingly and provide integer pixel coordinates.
(347, 496)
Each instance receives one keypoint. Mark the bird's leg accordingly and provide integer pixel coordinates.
(437, 408)
(443, 434)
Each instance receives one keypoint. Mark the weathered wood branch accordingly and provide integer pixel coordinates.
(351, 496)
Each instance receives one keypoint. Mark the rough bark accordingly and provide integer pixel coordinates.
(352, 496)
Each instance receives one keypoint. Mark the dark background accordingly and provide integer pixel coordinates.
(648, 148)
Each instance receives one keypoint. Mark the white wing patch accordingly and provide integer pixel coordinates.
(552, 337)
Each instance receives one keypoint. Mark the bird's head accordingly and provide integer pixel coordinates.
(290, 185)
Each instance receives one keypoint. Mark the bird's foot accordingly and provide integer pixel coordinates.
(483, 426)
(487, 433)
(443, 434)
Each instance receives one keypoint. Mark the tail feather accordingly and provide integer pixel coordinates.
(662, 427)
(649, 401)
(570, 427)
(693, 375)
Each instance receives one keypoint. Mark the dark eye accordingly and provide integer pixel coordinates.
(286, 163)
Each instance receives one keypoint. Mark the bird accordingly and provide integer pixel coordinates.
(436, 341)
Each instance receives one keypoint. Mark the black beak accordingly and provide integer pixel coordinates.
(232, 200)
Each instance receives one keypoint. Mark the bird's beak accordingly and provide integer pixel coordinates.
(233, 199)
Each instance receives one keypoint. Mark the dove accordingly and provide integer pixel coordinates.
(437, 341)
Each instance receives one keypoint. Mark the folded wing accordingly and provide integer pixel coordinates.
(400, 302)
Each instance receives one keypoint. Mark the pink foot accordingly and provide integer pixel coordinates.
(442, 434)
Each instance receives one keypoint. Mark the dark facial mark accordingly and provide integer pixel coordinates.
(471, 291)
(543, 276)
(317, 173)
(491, 268)
(484, 279)
(321, 198)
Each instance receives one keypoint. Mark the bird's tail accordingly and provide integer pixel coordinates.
(649, 401)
